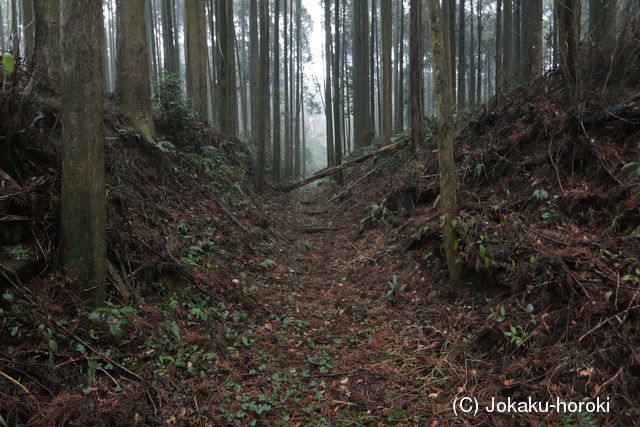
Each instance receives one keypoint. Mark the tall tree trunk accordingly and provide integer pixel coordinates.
(328, 100)
(399, 105)
(462, 58)
(254, 66)
(213, 62)
(47, 50)
(569, 39)
(445, 141)
(196, 45)
(133, 87)
(452, 44)
(337, 124)
(508, 61)
(171, 60)
(532, 39)
(227, 101)
(287, 97)
(472, 61)
(15, 31)
(602, 22)
(276, 93)
(415, 72)
(499, 46)
(28, 25)
(385, 11)
(297, 168)
(363, 133)
(479, 58)
(261, 131)
(83, 196)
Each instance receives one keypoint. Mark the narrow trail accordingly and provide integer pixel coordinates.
(337, 330)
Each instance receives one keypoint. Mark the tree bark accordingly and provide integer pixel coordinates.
(83, 196)
(362, 131)
(337, 119)
(532, 39)
(227, 100)
(196, 44)
(262, 101)
(508, 61)
(462, 58)
(133, 87)
(415, 72)
(171, 64)
(385, 11)
(445, 142)
(602, 22)
(276, 93)
(328, 100)
(569, 40)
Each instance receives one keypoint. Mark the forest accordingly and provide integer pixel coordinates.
(320, 212)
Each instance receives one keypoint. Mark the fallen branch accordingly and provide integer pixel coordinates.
(231, 216)
(330, 171)
(626, 111)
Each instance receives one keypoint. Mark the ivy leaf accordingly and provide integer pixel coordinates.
(116, 330)
(8, 62)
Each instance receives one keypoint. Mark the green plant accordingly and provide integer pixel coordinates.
(308, 246)
(634, 169)
(477, 171)
(378, 213)
(116, 317)
(268, 263)
(541, 194)
(175, 110)
(19, 252)
(396, 289)
(633, 277)
(517, 334)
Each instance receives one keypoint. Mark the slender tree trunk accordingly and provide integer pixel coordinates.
(508, 61)
(28, 26)
(196, 57)
(479, 57)
(399, 124)
(15, 31)
(472, 61)
(602, 22)
(415, 72)
(170, 49)
(276, 93)
(299, 100)
(328, 100)
(462, 58)
(569, 39)
(47, 50)
(362, 115)
(261, 131)
(452, 45)
(499, 47)
(227, 100)
(287, 98)
(532, 39)
(445, 141)
(83, 196)
(385, 11)
(254, 67)
(337, 125)
(133, 86)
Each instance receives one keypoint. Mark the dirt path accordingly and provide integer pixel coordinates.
(346, 350)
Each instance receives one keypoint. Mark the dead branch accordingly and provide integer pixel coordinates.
(330, 171)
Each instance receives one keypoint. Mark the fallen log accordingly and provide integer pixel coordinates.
(330, 171)
(626, 111)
